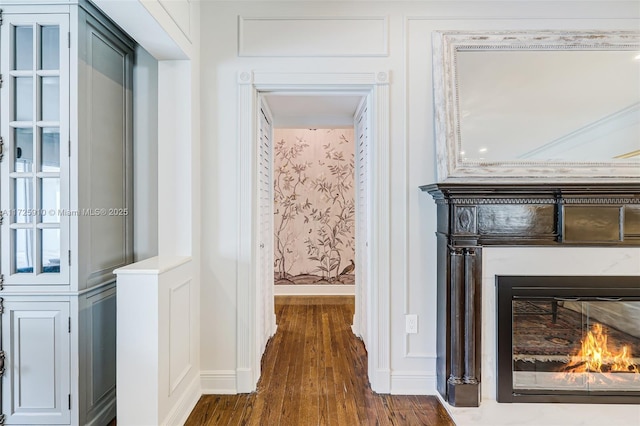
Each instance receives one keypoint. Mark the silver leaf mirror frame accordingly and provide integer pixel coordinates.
(452, 108)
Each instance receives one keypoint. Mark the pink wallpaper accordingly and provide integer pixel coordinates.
(314, 207)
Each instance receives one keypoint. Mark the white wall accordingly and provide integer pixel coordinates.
(401, 38)
(145, 156)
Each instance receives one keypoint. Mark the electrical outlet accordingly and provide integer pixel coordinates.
(411, 323)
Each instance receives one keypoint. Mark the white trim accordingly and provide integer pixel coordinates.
(413, 383)
(315, 290)
(218, 382)
(379, 321)
(183, 407)
(247, 265)
(250, 84)
(105, 414)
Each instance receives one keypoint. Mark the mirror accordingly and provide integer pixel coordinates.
(546, 105)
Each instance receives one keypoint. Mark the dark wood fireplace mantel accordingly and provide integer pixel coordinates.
(471, 216)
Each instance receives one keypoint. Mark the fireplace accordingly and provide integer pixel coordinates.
(473, 217)
(568, 339)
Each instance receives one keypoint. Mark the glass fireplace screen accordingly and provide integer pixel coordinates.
(576, 345)
(563, 340)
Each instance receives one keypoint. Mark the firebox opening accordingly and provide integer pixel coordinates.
(568, 339)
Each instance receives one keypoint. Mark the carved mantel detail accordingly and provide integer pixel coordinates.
(471, 216)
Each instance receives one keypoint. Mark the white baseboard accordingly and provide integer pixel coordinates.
(218, 382)
(413, 383)
(315, 290)
(380, 380)
(184, 406)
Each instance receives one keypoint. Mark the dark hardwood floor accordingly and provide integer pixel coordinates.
(314, 372)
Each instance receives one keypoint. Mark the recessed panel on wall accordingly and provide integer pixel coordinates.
(307, 36)
(36, 379)
(103, 346)
(179, 333)
(108, 131)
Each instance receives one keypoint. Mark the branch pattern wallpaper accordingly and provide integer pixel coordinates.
(314, 222)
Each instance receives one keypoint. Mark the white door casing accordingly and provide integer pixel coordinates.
(377, 309)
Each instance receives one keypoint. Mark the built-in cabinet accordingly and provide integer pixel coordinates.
(66, 204)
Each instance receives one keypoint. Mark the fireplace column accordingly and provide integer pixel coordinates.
(463, 388)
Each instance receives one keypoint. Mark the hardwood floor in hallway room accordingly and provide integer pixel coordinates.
(314, 372)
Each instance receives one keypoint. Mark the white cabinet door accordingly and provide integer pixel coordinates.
(36, 383)
(34, 126)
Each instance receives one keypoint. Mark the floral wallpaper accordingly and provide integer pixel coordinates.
(314, 222)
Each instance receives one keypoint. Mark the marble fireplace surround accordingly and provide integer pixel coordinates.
(556, 261)
(486, 230)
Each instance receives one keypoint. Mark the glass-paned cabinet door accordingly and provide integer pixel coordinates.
(34, 126)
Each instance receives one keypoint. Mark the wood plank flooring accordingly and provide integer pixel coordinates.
(314, 372)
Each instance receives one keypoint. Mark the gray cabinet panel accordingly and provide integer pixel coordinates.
(36, 381)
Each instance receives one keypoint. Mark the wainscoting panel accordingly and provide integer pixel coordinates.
(97, 327)
(157, 342)
(179, 334)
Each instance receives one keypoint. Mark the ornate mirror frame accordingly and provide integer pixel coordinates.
(452, 167)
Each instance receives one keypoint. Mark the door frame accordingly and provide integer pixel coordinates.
(251, 85)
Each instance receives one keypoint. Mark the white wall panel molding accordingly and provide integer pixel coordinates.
(250, 85)
(408, 353)
(313, 36)
(180, 348)
(334, 83)
(218, 382)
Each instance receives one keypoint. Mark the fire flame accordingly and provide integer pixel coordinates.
(594, 355)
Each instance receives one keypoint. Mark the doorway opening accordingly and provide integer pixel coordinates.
(314, 229)
(315, 226)
(318, 150)
(315, 212)
(260, 95)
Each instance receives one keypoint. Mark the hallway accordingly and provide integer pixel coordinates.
(314, 373)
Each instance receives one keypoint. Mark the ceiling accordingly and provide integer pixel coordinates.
(295, 110)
